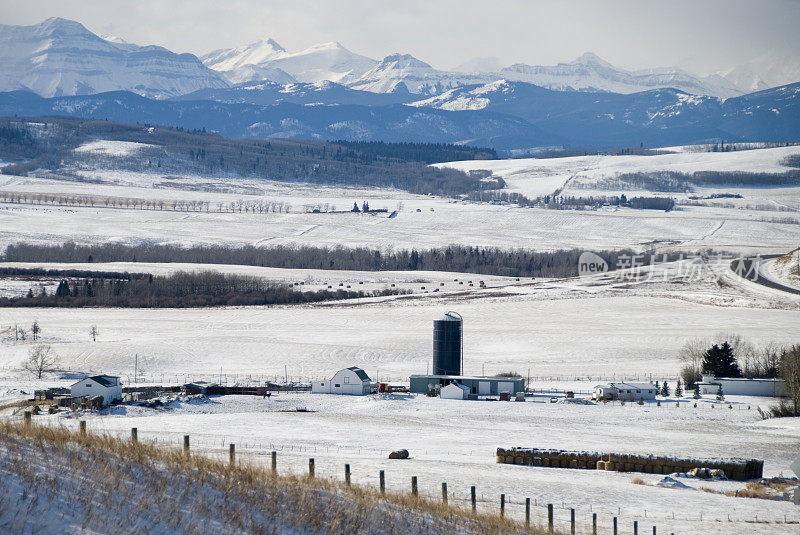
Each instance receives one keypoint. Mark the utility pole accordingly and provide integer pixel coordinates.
(285, 374)
(136, 369)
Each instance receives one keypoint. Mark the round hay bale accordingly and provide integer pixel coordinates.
(610, 466)
(518, 459)
(639, 467)
(545, 462)
(537, 461)
(573, 463)
(399, 454)
(601, 465)
(630, 467)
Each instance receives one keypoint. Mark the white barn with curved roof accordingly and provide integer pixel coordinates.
(350, 381)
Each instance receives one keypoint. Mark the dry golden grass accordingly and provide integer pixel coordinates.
(637, 481)
(764, 489)
(150, 488)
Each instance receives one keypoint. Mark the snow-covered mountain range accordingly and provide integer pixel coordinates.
(329, 92)
(266, 60)
(61, 57)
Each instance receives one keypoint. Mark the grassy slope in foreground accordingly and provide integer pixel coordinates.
(57, 481)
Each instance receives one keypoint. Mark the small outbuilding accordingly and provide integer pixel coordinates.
(350, 381)
(107, 386)
(454, 391)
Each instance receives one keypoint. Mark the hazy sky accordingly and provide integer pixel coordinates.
(700, 35)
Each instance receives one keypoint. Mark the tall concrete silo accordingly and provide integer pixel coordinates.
(447, 344)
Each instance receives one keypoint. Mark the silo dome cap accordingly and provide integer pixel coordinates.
(452, 316)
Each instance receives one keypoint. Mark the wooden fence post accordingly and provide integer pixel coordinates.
(502, 505)
(27, 418)
(383, 481)
(594, 523)
(186, 443)
(444, 493)
(550, 517)
(635, 527)
(615, 525)
(347, 474)
(473, 498)
(414, 485)
(572, 521)
(527, 511)
(82, 426)
(274, 461)
(134, 434)
(232, 454)
(311, 467)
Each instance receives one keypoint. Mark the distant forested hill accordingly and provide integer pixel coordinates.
(49, 143)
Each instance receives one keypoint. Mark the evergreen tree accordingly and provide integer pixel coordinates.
(665, 389)
(720, 394)
(696, 392)
(355, 207)
(63, 289)
(678, 389)
(720, 361)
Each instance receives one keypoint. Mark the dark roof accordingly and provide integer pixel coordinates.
(361, 373)
(104, 380)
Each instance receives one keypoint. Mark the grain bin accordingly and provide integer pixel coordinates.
(447, 344)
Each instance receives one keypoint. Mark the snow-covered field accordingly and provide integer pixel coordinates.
(421, 221)
(541, 176)
(562, 332)
(597, 326)
(455, 441)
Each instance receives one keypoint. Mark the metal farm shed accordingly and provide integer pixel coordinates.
(479, 386)
(351, 381)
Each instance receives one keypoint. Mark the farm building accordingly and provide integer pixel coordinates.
(353, 381)
(107, 386)
(625, 391)
(742, 387)
(479, 386)
(454, 391)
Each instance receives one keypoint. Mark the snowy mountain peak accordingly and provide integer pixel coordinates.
(403, 61)
(230, 59)
(273, 44)
(61, 57)
(62, 27)
(591, 59)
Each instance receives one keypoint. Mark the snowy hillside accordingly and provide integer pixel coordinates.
(61, 57)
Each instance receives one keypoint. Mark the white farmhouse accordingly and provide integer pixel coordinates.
(353, 381)
(454, 391)
(625, 391)
(107, 386)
